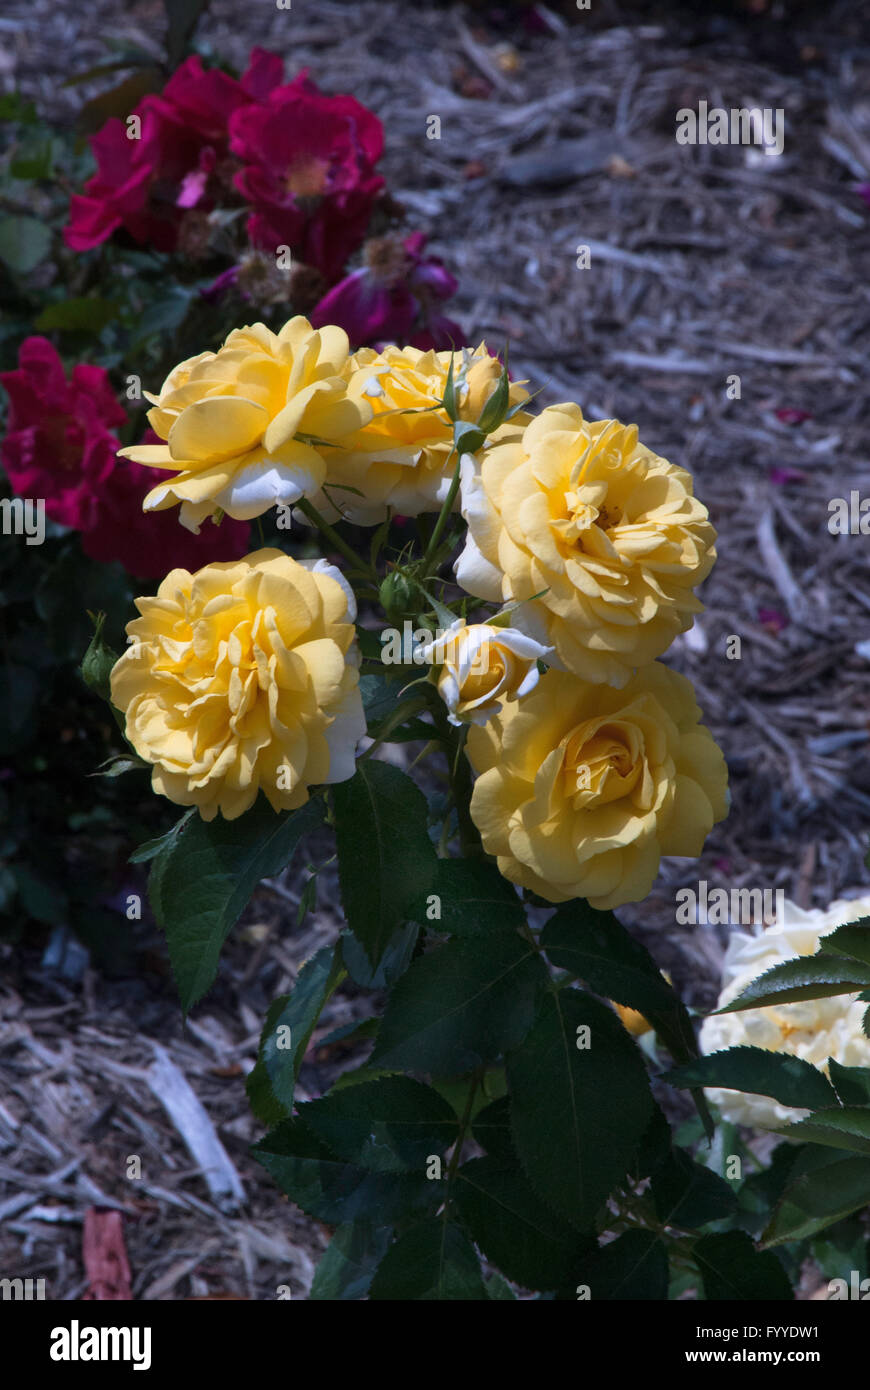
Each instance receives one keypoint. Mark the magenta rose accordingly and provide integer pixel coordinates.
(146, 185)
(308, 172)
(60, 445)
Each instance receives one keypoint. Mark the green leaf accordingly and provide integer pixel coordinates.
(578, 1113)
(491, 1128)
(272, 1083)
(851, 940)
(346, 1268)
(852, 1083)
(517, 1232)
(332, 1190)
(788, 1079)
(390, 1125)
(816, 1199)
(385, 857)
(463, 1004)
(201, 882)
(151, 848)
(392, 964)
(687, 1194)
(433, 1260)
(24, 242)
(598, 950)
(807, 977)
(475, 899)
(467, 438)
(78, 314)
(840, 1128)
(732, 1269)
(182, 17)
(164, 315)
(634, 1266)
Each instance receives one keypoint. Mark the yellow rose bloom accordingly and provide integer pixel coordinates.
(232, 420)
(611, 531)
(243, 677)
(400, 458)
(814, 1029)
(481, 666)
(583, 787)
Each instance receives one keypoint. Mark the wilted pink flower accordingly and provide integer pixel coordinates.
(393, 297)
(60, 446)
(309, 172)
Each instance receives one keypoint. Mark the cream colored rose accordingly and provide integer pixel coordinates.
(481, 666)
(401, 459)
(239, 422)
(611, 532)
(814, 1029)
(243, 678)
(582, 787)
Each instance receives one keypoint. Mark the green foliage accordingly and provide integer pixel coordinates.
(577, 1112)
(732, 1269)
(789, 1079)
(385, 855)
(201, 881)
(289, 1024)
(463, 1004)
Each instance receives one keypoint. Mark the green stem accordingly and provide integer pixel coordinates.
(314, 516)
(443, 516)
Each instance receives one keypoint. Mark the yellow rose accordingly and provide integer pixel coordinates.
(814, 1029)
(233, 419)
(608, 529)
(582, 787)
(243, 677)
(481, 667)
(400, 459)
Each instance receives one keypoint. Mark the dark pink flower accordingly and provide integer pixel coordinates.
(61, 446)
(146, 185)
(59, 443)
(308, 172)
(392, 297)
(150, 544)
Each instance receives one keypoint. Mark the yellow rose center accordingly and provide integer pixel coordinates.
(602, 763)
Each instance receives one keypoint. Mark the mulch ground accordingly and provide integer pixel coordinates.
(706, 263)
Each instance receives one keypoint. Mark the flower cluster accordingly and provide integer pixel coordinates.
(814, 1029)
(303, 164)
(587, 772)
(60, 445)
